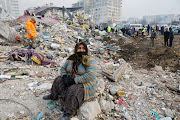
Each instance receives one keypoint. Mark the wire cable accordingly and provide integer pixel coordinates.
(20, 104)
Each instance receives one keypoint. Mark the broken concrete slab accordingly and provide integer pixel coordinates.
(8, 32)
(44, 87)
(166, 118)
(90, 110)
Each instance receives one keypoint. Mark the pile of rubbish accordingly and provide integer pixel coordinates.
(123, 92)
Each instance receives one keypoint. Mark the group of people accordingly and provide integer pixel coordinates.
(133, 32)
(168, 37)
(77, 81)
(168, 34)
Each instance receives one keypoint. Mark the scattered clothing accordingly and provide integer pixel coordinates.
(72, 97)
(26, 55)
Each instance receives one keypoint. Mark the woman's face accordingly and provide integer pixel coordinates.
(81, 48)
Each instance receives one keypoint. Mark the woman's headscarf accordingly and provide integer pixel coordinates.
(78, 60)
(75, 56)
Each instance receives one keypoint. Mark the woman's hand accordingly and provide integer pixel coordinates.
(68, 80)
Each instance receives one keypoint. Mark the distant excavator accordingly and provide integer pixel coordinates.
(80, 19)
(81, 22)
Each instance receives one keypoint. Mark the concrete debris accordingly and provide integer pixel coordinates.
(118, 74)
(158, 68)
(31, 85)
(166, 118)
(74, 119)
(44, 86)
(8, 33)
(106, 106)
(114, 89)
(101, 86)
(90, 110)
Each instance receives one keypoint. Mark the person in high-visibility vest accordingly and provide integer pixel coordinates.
(116, 29)
(31, 33)
(109, 30)
(143, 31)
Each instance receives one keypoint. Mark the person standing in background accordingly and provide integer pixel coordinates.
(166, 37)
(148, 28)
(171, 37)
(153, 37)
(31, 33)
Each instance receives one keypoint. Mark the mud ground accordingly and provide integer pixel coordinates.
(141, 55)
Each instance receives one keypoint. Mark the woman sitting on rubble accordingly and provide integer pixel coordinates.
(77, 82)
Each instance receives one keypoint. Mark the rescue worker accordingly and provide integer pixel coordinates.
(31, 33)
(116, 29)
(143, 31)
(155, 28)
(109, 29)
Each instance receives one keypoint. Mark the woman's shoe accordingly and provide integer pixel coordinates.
(47, 97)
(65, 117)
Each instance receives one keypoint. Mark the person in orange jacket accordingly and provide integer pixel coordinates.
(31, 33)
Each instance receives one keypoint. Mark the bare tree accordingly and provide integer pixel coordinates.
(152, 23)
(144, 22)
(157, 19)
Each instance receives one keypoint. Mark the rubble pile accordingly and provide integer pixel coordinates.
(124, 91)
(7, 32)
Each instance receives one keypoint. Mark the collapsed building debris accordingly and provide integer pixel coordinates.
(42, 14)
(9, 33)
(126, 89)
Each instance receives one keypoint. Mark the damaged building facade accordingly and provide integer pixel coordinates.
(102, 10)
(11, 7)
(106, 10)
(85, 4)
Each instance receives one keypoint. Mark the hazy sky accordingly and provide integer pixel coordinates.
(139, 8)
(130, 8)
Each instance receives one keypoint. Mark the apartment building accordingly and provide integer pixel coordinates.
(102, 10)
(11, 7)
(106, 11)
(85, 4)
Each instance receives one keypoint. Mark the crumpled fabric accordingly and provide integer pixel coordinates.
(85, 60)
(25, 55)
